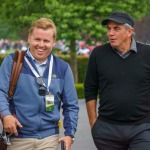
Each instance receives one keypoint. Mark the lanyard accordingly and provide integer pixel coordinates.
(37, 75)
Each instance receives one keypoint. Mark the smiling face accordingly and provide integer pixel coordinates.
(119, 35)
(41, 43)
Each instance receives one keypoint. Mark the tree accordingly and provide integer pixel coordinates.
(74, 19)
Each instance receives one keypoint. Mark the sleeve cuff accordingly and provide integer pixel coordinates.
(5, 113)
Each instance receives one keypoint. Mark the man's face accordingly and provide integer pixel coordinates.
(119, 36)
(41, 43)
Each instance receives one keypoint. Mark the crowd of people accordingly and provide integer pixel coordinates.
(7, 44)
(82, 48)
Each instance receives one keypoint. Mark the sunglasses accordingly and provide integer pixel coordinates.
(3, 136)
(42, 89)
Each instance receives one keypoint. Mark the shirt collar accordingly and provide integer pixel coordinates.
(34, 60)
(132, 47)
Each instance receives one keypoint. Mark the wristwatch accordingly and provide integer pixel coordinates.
(72, 137)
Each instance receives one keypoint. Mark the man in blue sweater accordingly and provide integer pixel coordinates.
(44, 84)
(119, 72)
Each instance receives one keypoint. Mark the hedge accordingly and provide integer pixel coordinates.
(82, 66)
(1, 59)
(80, 90)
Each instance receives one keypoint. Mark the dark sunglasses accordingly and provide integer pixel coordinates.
(42, 88)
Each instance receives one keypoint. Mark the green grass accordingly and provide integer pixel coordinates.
(9, 51)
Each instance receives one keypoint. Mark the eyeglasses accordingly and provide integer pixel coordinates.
(42, 88)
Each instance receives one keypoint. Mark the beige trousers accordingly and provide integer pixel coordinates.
(48, 143)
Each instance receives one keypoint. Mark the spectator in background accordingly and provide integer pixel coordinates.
(83, 50)
(3, 52)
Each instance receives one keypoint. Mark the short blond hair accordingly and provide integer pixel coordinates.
(44, 23)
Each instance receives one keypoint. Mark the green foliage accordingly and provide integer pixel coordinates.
(74, 19)
(1, 59)
(80, 90)
(65, 58)
(82, 66)
(5, 31)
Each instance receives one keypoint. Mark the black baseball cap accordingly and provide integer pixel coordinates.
(119, 17)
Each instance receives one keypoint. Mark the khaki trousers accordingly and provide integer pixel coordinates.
(48, 143)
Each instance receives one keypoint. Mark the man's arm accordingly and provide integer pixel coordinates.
(9, 121)
(70, 108)
(91, 110)
(91, 88)
(5, 72)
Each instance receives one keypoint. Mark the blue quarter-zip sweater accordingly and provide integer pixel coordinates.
(30, 106)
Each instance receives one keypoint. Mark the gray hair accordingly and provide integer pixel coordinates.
(127, 26)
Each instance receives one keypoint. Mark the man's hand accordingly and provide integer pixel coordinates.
(92, 123)
(67, 140)
(91, 110)
(10, 124)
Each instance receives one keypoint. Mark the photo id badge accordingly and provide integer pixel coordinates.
(49, 101)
